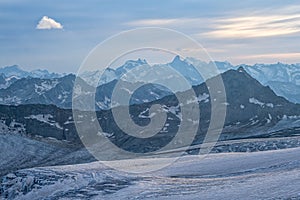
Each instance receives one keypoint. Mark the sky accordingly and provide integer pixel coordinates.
(58, 35)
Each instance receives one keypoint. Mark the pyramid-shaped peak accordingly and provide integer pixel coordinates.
(177, 59)
(241, 69)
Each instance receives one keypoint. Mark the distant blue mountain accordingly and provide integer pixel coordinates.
(10, 74)
(17, 72)
(283, 79)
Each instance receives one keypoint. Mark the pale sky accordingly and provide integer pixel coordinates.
(58, 35)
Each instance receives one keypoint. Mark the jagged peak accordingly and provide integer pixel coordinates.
(138, 61)
(176, 59)
(241, 69)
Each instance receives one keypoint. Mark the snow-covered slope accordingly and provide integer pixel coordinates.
(289, 90)
(5, 81)
(260, 175)
(153, 72)
(99, 77)
(275, 72)
(103, 76)
(284, 79)
(19, 151)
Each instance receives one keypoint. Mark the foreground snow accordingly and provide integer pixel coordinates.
(257, 175)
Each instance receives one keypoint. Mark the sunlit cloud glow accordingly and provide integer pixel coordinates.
(256, 26)
(169, 22)
(152, 22)
(244, 36)
(273, 56)
(286, 21)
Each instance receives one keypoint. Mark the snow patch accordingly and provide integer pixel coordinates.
(45, 86)
(261, 104)
(45, 118)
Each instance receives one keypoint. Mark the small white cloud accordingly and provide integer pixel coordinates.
(48, 23)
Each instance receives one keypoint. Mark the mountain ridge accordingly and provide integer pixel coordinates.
(284, 79)
(253, 110)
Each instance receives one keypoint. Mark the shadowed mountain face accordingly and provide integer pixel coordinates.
(253, 110)
(58, 91)
(247, 98)
(284, 79)
(6, 81)
(2, 80)
(251, 106)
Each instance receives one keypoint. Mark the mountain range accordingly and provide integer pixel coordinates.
(17, 72)
(253, 110)
(283, 79)
(10, 74)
